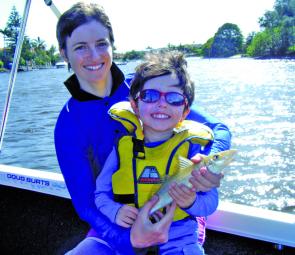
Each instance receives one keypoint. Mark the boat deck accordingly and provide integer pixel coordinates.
(34, 223)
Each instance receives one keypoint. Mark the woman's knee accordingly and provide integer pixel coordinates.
(91, 246)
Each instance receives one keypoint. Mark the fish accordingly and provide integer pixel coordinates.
(215, 163)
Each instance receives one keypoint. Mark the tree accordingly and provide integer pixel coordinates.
(285, 7)
(33, 51)
(228, 41)
(269, 20)
(249, 39)
(207, 47)
(278, 31)
(12, 29)
(27, 53)
(267, 43)
(130, 55)
(53, 55)
(38, 44)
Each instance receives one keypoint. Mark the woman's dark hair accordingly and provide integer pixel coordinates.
(79, 14)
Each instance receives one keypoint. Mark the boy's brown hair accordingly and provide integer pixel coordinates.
(160, 64)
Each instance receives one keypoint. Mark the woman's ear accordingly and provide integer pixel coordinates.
(63, 55)
(134, 106)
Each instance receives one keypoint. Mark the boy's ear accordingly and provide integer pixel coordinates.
(134, 106)
(185, 113)
(63, 55)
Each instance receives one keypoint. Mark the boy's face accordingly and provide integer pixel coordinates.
(159, 118)
(89, 52)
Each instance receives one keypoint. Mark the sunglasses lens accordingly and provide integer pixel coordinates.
(150, 96)
(175, 98)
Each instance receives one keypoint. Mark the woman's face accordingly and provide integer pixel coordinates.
(89, 51)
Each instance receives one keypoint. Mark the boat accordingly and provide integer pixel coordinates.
(38, 213)
(37, 216)
(121, 63)
(61, 64)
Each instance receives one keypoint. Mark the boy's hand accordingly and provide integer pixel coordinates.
(182, 195)
(126, 216)
(202, 179)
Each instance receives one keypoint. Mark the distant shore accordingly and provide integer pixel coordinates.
(4, 70)
(120, 62)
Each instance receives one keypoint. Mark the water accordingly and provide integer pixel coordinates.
(254, 98)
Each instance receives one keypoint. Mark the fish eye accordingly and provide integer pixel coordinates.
(215, 157)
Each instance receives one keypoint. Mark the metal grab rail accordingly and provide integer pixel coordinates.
(14, 68)
(15, 64)
(53, 8)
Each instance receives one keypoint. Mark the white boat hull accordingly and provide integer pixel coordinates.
(242, 220)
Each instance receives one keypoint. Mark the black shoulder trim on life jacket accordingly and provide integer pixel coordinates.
(124, 198)
(138, 148)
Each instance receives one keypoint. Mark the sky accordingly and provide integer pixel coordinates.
(139, 24)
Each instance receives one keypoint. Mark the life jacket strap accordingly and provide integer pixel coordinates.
(138, 148)
(124, 198)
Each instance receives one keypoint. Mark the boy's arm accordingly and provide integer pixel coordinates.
(222, 135)
(103, 193)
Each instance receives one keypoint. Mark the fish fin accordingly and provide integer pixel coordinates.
(184, 162)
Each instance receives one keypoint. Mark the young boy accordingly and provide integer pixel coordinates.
(161, 94)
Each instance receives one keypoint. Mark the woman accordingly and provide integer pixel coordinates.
(85, 134)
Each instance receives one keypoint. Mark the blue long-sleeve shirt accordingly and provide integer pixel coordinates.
(84, 137)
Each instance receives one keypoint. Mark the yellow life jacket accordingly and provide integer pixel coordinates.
(143, 169)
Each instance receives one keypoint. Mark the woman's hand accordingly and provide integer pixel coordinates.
(144, 233)
(202, 179)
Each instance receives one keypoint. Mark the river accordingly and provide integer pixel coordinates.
(255, 98)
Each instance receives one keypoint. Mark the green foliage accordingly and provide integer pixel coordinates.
(269, 20)
(260, 45)
(267, 43)
(207, 47)
(1, 64)
(12, 28)
(53, 55)
(228, 41)
(33, 51)
(291, 51)
(278, 36)
(285, 7)
(188, 49)
(22, 62)
(131, 55)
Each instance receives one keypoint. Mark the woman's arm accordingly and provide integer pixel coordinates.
(205, 180)
(222, 135)
(205, 204)
(76, 169)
